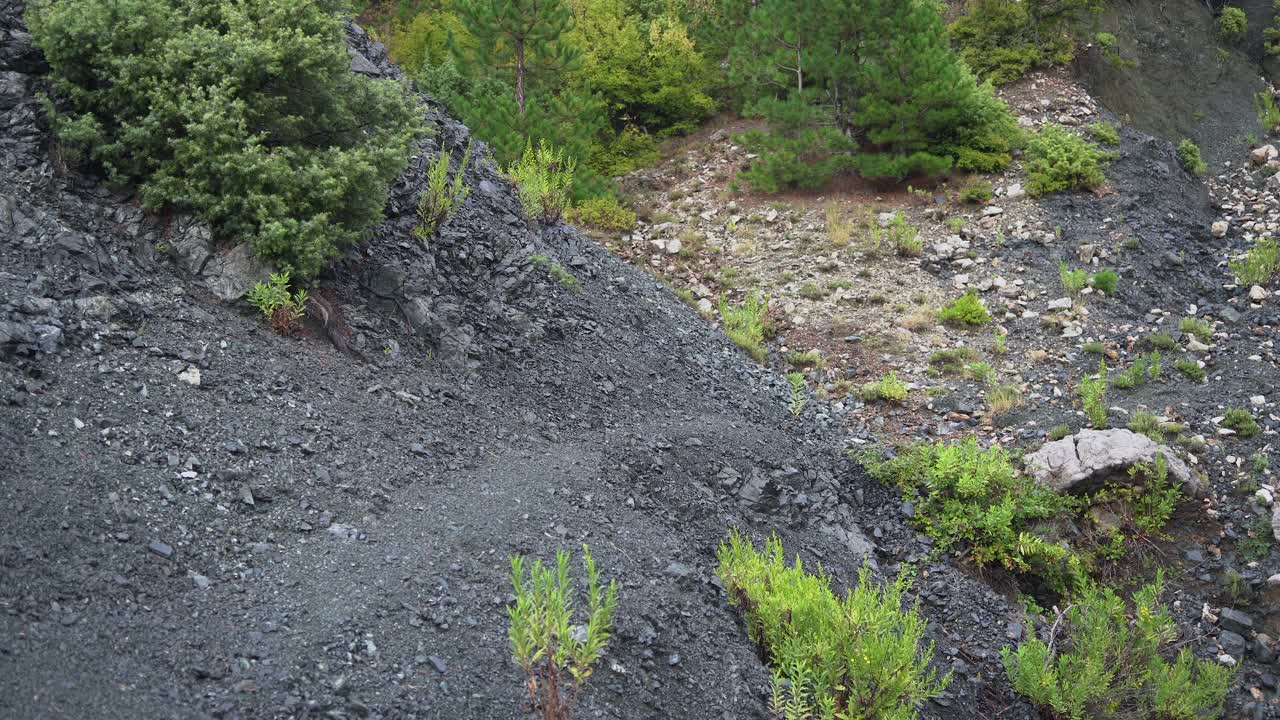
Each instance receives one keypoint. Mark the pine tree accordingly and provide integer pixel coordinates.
(522, 39)
(864, 84)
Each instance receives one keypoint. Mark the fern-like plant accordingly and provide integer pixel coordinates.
(556, 655)
(441, 199)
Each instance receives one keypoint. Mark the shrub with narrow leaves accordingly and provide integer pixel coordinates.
(1103, 661)
(556, 653)
(862, 656)
(544, 180)
(441, 199)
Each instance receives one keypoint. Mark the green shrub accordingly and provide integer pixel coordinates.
(626, 152)
(1199, 327)
(281, 308)
(976, 191)
(440, 200)
(544, 179)
(888, 388)
(1151, 495)
(1232, 23)
(999, 343)
(1002, 399)
(1161, 341)
(1094, 348)
(1093, 397)
(1190, 368)
(556, 271)
(965, 310)
(811, 358)
(246, 113)
(1059, 160)
(1242, 422)
(1143, 369)
(1103, 662)
(952, 362)
(975, 498)
(1189, 158)
(555, 653)
(1003, 39)
(1073, 281)
(1259, 264)
(860, 657)
(744, 324)
(1106, 281)
(904, 238)
(980, 371)
(1058, 432)
(1105, 133)
(1265, 101)
(1255, 546)
(799, 394)
(603, 213)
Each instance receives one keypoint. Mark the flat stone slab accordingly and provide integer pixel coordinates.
(1090, 459)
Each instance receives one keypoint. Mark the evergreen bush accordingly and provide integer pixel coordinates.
(247, 114)
(1059, 160)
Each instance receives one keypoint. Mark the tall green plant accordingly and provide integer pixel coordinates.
(555, 654)
(440, 199)
(544, 179)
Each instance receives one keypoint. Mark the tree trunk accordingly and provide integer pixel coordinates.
(520, 76)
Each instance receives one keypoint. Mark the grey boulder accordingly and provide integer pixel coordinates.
(1090, 459)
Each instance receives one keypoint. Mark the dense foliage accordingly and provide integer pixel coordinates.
(862, 656)
(246, 113)
(865, 85)
(1003, 39)
(1103, 661)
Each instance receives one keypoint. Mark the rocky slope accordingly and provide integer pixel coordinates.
(204, 519)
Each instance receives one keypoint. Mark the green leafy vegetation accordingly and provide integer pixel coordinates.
(898, 102)
(544, 179)
(1189, 158)
(904, 238)
(1107, 281)
(1094, 348)
(888, 388)
(1265, 101)
(440, 200)
(1103, 661)
(863, 656)
(1144, 423)
(247, 114)
(799, 393)
(1145, 368)
(556, 272)
(744, 324)
(1058, 432)
(999, 343)
(975, 498)
(1073, 281)
(966, 310)
(1105, 133)
(1198, 327)
(1241, 421)
(1232, 24)
(980, 371)
(1093, 397)
(602, 213)
(976, 191)
(1255, 546)
(555, 653)
(280, 307)
(1190, 368)
(953, 361)
(1003, 39)
(1003, 399)
(1059, 160)
(1162, 341)
(1258, 265)
(807, 359)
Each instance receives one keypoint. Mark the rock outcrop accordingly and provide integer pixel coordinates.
(1090, 459)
